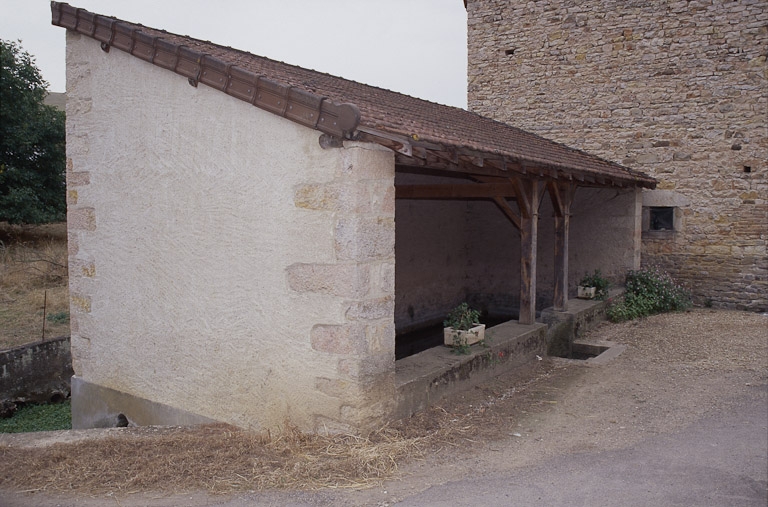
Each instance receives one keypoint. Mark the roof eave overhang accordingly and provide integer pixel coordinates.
(412, 152)
(339, 120)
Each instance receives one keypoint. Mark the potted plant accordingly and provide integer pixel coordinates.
(462, 328)
(593, 286)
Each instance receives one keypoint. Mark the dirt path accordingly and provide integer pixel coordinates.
(677, 369)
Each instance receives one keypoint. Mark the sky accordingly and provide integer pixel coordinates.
(416, 47)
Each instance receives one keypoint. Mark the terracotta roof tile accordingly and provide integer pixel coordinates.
(424, 123)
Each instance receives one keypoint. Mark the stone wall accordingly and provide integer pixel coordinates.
(676, 89)
(223, 266)
(35, 373)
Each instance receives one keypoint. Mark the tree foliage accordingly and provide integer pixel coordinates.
(32, 143)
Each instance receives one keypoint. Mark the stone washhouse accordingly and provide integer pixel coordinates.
(248, 239)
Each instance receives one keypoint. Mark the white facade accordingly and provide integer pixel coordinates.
(219, 256)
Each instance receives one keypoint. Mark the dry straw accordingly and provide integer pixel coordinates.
(217, 458)
(223, 459)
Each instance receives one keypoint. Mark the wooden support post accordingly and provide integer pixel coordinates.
(562, 197)
(562, 225)
(528, 251)
(530, 194)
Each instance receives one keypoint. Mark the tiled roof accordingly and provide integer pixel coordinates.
(425, 134)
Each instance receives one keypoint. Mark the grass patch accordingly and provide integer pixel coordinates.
(46, 417)
(58, 317)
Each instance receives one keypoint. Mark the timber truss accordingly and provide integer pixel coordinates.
(516, 188)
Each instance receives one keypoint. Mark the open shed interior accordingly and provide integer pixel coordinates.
(448, 251)
(451, 250)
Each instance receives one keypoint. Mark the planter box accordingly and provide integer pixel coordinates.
(586, 292)
(474, 335)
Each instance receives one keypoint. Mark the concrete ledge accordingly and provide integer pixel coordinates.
(95, 406)
(425, 378)
(567, 326)
(604, 351)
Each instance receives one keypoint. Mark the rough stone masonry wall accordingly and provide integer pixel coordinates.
(676, 89)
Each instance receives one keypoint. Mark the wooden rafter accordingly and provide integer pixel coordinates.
(504, 206)
(462, 165)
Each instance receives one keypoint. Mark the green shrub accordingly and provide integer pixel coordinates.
(462, 317)
(649, 291)
(597, 281)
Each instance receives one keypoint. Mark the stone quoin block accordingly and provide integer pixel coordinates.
(332, 387)
(371, 309)
(363, 239)
(81, 303)
(343, 339)
(82, 219)
(347, 280)
(386, 278)
(73, 244)
(381, 337)
(88, 270)
(339, 197)
(78, 179)
(371, 365)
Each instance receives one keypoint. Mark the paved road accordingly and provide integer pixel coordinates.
(719, 461)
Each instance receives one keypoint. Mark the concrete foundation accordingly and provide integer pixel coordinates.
(425, 378)
(95, 406)
(565, 327)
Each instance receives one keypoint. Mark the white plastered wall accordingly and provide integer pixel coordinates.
(183, 228)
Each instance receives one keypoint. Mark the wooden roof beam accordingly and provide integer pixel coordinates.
(444, 165)
(456, 191)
